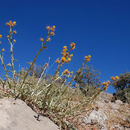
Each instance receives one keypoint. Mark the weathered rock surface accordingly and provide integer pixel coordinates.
(108, 115)
(16, 115)
(96, 117)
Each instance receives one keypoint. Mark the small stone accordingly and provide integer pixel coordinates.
(119, 102)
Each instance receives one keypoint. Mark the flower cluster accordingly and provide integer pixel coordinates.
(115, 78)
(11, 32)
(105, 84)
(51, 32)
(72, 45)
(66, 56)
(67, 73)
(11, 24)
(87, 58)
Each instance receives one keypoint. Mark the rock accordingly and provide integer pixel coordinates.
(118, 102)
(96, 117)
(117, 127)
(115, 106)
(16, 115)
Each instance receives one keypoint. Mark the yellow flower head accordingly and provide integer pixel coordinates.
(71, 55)
(112, 78)
(117, 77)
(87, 58)
(41, 39)
(3, 50)
(99, 89)
(105, 85)
(14, 31)
(58, 61)
(66, 72)
(0, 36)
(63, 59)
(53, 28)
(14, 41)
(14, 23)
(52, 33)
(7, 36)
(48, 39)
(72, 45)
(48, 27)
(11, 24)
(69, 59)
(65, 47)
(66, 54)
(64, 50)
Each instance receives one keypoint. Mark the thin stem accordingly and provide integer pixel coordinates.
(34, 60)
(6, 72)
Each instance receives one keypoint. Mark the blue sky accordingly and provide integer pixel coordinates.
(98, 27)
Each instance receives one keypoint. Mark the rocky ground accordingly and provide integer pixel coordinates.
(103, 115)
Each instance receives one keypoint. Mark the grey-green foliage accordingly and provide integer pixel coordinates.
(87, 79)
(122, 87)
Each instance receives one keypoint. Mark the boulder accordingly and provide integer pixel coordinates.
(96, 117)
(16, 115)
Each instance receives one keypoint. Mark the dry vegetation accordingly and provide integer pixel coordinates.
(55, 99)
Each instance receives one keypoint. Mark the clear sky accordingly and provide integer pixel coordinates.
(98, 27)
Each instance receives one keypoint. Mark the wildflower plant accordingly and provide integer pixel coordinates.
(55, 99)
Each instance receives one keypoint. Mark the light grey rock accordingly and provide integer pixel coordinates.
(115, 106)
(96, 117)
(117, 127)
(118, 102)
(16, 115)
